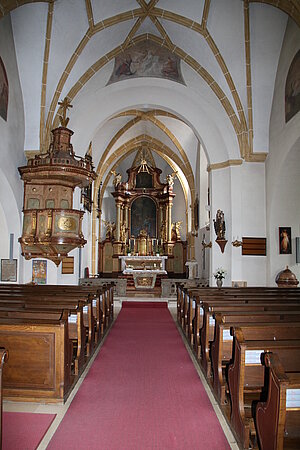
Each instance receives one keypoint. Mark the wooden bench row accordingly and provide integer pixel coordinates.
(232, 335)
(50, 333)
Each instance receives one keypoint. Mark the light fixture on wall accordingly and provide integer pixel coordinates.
(205, 244)
(237, 243)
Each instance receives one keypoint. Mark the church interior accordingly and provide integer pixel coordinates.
(149, 183)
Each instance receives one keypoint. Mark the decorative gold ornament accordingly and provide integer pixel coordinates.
(66, 224)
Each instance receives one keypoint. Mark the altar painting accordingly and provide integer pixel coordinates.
(143, 216)
(292, 89)
(146, 59)
(3, 91)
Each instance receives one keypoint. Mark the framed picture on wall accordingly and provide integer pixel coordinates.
(39, 271)
(285, 240)
(8, 270)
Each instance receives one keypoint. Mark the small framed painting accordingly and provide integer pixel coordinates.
(8, 270)
(39, 271)
(285, 240)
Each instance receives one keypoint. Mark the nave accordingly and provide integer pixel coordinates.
(141, 390)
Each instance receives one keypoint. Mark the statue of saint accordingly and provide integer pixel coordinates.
(110, 229)
(170, 179)
(163, 231)
(219, 225)
(118, 178)
(176, 227)
(123, 233)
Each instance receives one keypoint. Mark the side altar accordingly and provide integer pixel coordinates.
(143, 227)
(144, 269)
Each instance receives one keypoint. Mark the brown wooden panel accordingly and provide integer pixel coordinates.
(68, 265)
(24, 370)
(254, 246)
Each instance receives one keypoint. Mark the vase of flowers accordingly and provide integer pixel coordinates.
(219, 276)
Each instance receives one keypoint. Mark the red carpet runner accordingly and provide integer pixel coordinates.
(24, 431)
(142, 392)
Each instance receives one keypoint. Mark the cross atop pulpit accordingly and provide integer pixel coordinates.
(65, 105)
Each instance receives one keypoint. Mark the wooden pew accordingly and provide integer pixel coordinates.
(39, 359)
(3, 359)
(67, 301)
(203, 328)
(186, 311)
(103, 310)
(246, 373)
(74, 309)
(30, 308)
(278, 418)
(221, 346)
(203, 293)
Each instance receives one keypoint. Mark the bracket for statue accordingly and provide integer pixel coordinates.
(219, 225)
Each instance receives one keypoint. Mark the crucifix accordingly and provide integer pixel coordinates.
(65, 105)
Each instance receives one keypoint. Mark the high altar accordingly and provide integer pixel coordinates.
(143, 237)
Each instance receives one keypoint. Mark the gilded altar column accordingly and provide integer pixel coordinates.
(118, 224)
(126, 218)
(169, 230)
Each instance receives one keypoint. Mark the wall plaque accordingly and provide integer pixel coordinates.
(8, 270)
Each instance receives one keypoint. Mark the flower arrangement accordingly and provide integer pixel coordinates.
(220, 274)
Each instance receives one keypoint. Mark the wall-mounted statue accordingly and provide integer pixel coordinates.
(219, 225)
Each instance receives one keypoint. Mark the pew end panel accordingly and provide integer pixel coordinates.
(3, 359)
(39, 361)
(246, 373)
(278, 418)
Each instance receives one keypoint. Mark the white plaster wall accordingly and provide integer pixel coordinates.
(253, 222)
(283, 165)
(220, 188)
(11, 150)
(154, 93)
(29, 27)
(239, 191)
(267, 28)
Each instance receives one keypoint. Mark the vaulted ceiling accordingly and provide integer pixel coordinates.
(229, 52)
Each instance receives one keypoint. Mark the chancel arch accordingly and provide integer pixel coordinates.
(185, 177)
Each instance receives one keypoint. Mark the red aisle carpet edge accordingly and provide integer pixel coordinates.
(142, 392)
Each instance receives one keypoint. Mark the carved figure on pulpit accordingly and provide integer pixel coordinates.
(118, 178)
(110, 229)
(219, 225)
(176, 227)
